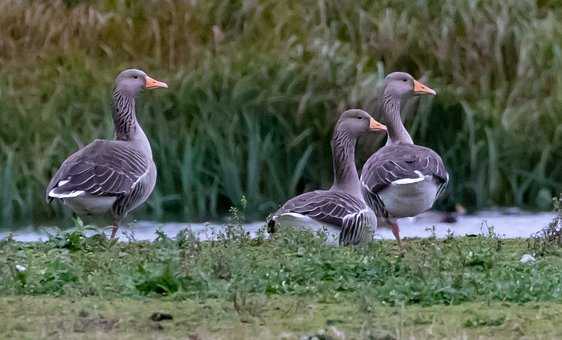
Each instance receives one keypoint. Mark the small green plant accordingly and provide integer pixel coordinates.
(484, 321)
(76, 238)
(158, 279)
(235, 227)
(549, 239)
(247, 306)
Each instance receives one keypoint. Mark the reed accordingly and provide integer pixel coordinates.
(255, 87)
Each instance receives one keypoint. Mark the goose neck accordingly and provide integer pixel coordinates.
(345, 171)
(127, 127)
(397, 133)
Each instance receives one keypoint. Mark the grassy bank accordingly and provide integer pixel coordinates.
(482, 268)
(293, 285)
(255, 87)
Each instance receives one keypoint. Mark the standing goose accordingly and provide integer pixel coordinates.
(115, 175)
(341, 208)
(402, 179)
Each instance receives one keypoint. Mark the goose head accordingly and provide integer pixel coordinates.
(400, 84)
(132, 81)
(357, 122)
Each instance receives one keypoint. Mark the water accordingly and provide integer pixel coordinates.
(507, 224)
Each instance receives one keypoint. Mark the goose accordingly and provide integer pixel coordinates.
(111, 176)
(341, 209)
(401, 179)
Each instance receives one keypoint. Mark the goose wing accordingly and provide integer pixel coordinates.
(102, 168)
(403, 163)
(325, 206)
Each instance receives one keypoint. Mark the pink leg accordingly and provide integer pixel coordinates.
(114, 229)
(396, 231)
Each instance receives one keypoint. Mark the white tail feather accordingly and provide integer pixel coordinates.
(63, 182)
(408, 180)
(70, 194)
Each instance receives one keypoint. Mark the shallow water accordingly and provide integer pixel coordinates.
(509, 223)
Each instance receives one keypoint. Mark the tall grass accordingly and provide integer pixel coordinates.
(255, 87)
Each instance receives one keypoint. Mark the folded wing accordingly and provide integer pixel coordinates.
(325, 206)
(402, 163)
(102, 168)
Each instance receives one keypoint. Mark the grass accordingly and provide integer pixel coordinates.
(431, 272)
(79, 284)
(297, 263)
(287, 318)
(255, 87)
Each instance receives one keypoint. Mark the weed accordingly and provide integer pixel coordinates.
(248, 307)
(484, 321)
(159, 279)
(549, 240)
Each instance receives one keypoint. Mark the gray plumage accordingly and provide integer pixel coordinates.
(342, 206)
(101, 168)
(401, 179)
(397, 161)
(335, 208)
(116, 175)
(393, 163)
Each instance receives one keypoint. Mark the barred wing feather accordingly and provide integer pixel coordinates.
(102, 168)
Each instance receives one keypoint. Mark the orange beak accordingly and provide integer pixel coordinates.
(153, 83)
(376, 126)
(420, 88)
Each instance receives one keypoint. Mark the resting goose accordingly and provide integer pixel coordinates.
(115, 175)
(401, 179)
(341, 209)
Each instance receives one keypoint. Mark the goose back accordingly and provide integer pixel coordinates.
(401, 161)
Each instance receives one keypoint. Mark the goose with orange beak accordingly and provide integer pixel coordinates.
(340, 209)
(111, 176)
(401, 179)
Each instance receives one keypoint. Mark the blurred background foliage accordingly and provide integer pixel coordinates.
(256, 86)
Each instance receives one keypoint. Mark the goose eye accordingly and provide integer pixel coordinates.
(359, 117)
(404, 80)
(136, 77)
